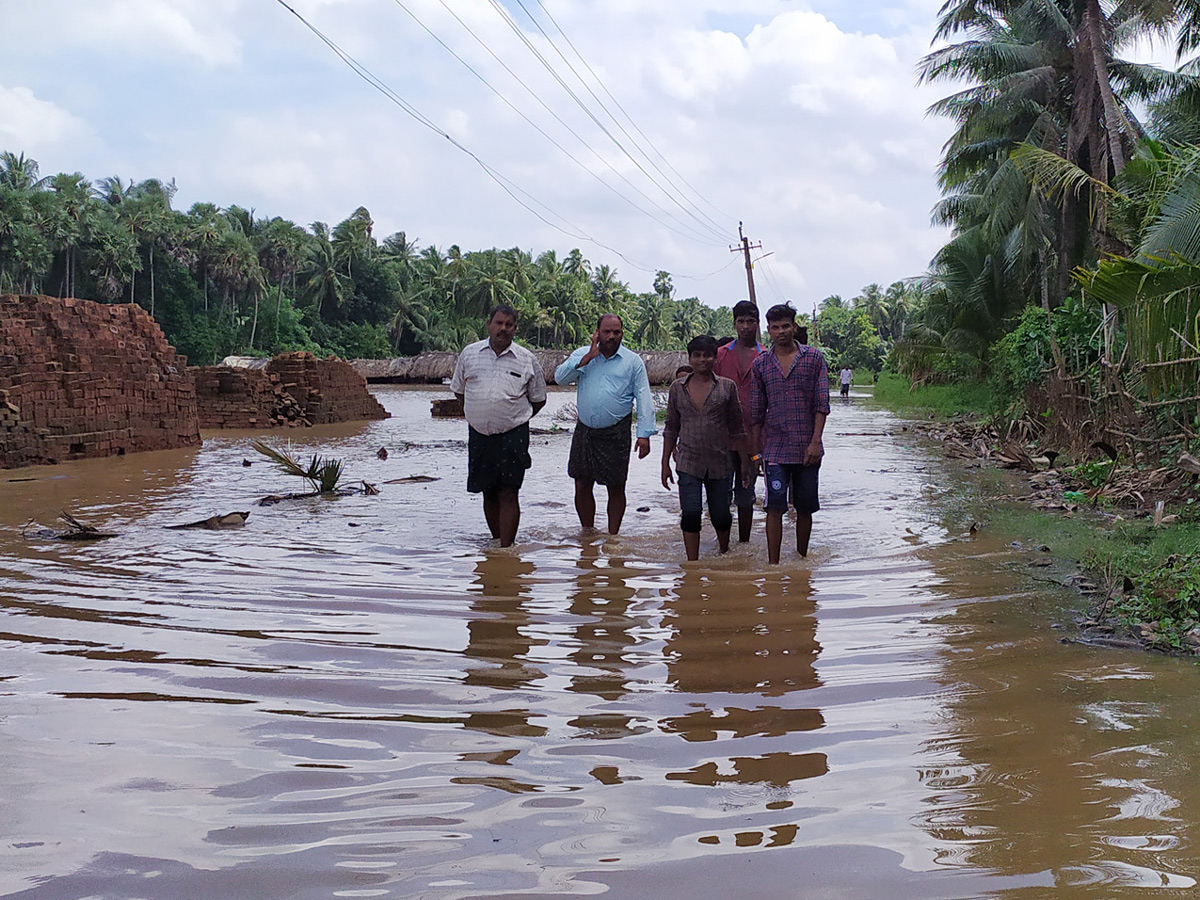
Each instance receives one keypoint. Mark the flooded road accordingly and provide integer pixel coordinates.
(362, 697)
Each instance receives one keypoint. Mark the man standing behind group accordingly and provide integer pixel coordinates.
(502, 387)
(734, 362)
(612, 380)
(788, 406)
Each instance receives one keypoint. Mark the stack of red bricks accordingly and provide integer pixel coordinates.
(292, 389)
(82, 379)
(234, 397)
(329, 390)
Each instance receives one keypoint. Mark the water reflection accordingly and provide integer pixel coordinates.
(367, 697)
(500, 637)
(757, 642)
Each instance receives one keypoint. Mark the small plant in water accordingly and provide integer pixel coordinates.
(323, 473)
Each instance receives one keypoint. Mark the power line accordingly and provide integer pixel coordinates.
(506, 184)
(618, 105)
(503, 13)
(771, 280)
(691, 234)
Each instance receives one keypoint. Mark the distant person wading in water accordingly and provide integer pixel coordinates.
(846, 378)
(612, 380)
(501, 386)
(789, 402)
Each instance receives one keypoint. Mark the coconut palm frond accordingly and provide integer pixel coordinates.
(1053, 175)
(323, 473)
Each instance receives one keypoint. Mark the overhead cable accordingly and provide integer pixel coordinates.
(506, 184)
(622, 109)
(683, 229)
(671, 195)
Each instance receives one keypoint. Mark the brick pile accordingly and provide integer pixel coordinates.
(232, 397)
(83, 379)
(294, 389)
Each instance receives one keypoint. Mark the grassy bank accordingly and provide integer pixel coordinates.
(1148, 577)
(894, 392)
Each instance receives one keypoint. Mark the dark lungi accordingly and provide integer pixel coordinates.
(601, 454)
(497, 460)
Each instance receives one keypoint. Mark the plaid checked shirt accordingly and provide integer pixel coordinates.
(786, 403)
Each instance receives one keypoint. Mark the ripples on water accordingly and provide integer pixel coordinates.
(361, 697)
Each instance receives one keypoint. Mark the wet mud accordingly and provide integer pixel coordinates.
(361, 696)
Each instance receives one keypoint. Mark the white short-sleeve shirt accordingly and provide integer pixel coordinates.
(498, 391)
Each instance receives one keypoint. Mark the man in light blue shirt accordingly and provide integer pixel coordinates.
(612, 379)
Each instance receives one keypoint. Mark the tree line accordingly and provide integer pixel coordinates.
(225, 281)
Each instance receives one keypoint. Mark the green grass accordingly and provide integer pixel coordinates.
(959, 398)
(1162, 566)
(1152, 572)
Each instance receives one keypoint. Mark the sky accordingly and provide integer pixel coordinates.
(803, 120)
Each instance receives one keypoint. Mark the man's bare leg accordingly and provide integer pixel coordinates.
(691, 544)
(723, 541)
(745, 522)
(502, 509)
(803, 532)
(491, 511)
(616, 507)
(510, 515)
(585, 503)
(774, 534)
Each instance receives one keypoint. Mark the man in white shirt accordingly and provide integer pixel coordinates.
(846, 378)
(502, 387)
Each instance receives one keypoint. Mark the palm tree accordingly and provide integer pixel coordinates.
(20, 173)
(281, 246)
(687, 320)
(1046, 73)
(662, 284)
(653, 328)
(325, 287)
(352, 239)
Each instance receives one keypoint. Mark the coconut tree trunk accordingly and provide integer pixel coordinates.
(152, 281)
(254, 323)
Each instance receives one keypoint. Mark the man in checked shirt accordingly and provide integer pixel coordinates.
(789, 400)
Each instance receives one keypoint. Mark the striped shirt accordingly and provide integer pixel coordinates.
(498, 391)
(786, 404)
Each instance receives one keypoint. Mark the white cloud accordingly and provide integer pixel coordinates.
(194, 29)
(30, 125)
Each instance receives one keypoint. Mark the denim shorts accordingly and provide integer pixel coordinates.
(691, 501)
(802, 482)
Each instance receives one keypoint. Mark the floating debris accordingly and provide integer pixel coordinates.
(382, 453)
(413, 479)
(78, 531)
(216, 523)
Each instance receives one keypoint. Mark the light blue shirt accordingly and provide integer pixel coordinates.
(609, 387)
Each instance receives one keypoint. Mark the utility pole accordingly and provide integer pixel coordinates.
(745, 249)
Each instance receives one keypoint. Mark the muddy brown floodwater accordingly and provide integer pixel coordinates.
(362, 697)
